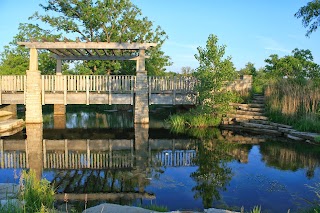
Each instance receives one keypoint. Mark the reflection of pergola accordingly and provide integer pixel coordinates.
(86, 51)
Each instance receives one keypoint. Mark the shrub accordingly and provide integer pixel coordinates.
(36, 196)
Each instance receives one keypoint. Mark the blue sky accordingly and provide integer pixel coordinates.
(251, 29)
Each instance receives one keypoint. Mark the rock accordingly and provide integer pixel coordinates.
(212, 210)
(113, 208)
(8, 190)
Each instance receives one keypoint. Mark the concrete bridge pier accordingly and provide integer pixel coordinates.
(141, 101)
(33, 90)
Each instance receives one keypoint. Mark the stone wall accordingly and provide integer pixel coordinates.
(242, 85)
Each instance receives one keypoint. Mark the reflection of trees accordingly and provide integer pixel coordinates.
(213, 174)
(291, 156)
(97, 181)
(96, 120)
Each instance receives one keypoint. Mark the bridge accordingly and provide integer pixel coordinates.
(35, 90)
(98, 89)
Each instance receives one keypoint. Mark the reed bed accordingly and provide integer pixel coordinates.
(294, 103)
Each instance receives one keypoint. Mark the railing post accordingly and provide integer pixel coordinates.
(174, 90)
(43, 88)
(2, 153)
(66, 154)
(87, 90)
(65, 89)
(0, 90)
(109, 89)
(44, 147)
(88, 154)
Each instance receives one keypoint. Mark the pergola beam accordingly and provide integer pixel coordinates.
(88, 45)
(95, 57)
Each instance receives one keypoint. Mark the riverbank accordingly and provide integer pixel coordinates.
(8, 194)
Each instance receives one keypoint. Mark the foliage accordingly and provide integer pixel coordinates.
(212, 174)
(38, 196)
(15, 59)
(187, 71)
(256, 209)
(10, 207)
(193, 118)
(298, 66)
(109, 21)
(310, 15)
(248, 70)
(317, 139)
(213, 73)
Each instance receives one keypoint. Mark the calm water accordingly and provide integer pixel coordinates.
(103, 157)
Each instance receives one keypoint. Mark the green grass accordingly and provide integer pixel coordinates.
(256, 209)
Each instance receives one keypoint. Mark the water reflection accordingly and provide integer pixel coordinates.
(142, 164)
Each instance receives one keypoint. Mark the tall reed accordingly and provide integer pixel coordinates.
(296, 103)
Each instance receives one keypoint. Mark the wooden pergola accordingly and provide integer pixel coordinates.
(87, 51)
(92, 51)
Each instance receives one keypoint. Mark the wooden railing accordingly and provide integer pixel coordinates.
(98, 83)
(12, 83)
(165, 84)
(91, 83)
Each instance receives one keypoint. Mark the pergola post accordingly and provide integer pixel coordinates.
(141, 105)
(33, 90)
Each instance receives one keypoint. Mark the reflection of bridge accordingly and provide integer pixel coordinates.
(98, 154)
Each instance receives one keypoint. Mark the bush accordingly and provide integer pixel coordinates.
(36, 196)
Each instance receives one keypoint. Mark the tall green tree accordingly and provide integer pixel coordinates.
(299, 65)
(249, 69)
(108, 21)
(15, 59)
(310, 15)
(214, 71)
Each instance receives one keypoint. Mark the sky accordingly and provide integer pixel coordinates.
(252, 30)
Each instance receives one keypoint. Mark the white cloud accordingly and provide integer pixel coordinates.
(269, 43)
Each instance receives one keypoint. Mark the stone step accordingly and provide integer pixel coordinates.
(258, 102)
(247, 105)
(5, 115)
(10, 124)
(244, 112)
(270, 123)
(247, 117)
(248, 109)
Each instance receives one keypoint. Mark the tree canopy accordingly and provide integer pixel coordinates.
(299, 65)
(15, 59)
(310, 15)
(99, 20)
(213, 72)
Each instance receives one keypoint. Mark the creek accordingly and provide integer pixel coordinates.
(99, 155)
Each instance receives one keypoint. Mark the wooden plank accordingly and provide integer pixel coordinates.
(87, 45)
